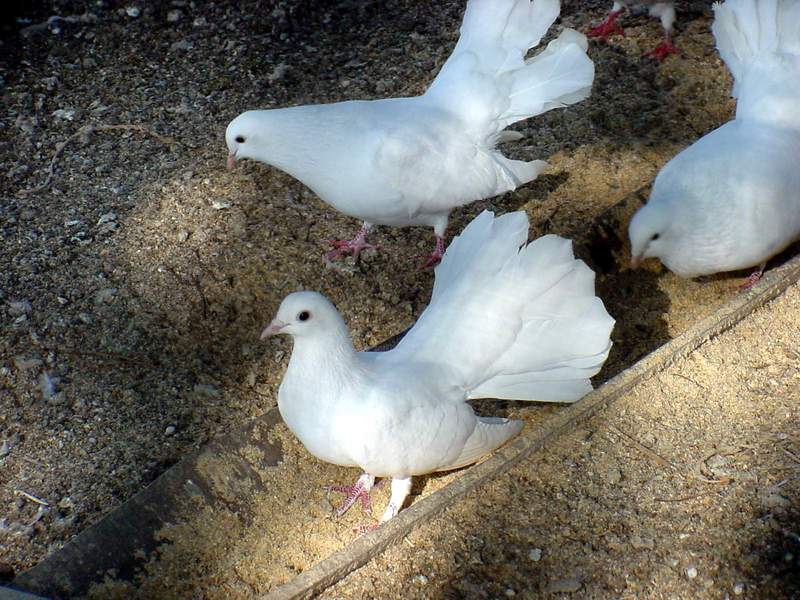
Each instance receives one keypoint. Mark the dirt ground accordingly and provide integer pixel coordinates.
(134, 284)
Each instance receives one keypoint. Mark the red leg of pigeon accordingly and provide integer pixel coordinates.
(753, 279)
(608, 27)
(358, 491)
(664, 49)
(432, 259)
(354, 246)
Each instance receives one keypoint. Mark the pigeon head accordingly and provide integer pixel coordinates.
(649, 233)
(306, 315)
(243, 137)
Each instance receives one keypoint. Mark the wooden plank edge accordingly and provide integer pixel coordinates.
(335, 567)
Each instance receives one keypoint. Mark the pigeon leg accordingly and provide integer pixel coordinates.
(400, 490)
(754, 278)
(432, 259)
(608, 27)
(358, 491)
(664, 49)
(354, 246)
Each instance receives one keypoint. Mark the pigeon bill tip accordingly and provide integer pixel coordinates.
(636, 261)
(273, 328)
(231, 161)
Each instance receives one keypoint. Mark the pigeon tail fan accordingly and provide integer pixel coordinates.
(759, 40)
(511, 320)
(489, 83)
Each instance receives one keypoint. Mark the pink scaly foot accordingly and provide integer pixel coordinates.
(663, 50)
(354, 246)
(434, 257)
(608, 27)
(753, 279)
(358, 491)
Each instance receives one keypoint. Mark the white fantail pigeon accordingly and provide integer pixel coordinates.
(505, 320)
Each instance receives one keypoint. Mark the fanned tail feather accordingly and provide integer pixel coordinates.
(488, 81)
(511, 320)
(759, 40)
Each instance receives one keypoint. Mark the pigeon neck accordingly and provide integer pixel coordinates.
(324, 354)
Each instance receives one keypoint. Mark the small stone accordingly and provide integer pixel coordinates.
(206, 390)
(105, 296)
(420, 580)
(67, 114)
(278, 73)
(107, 218)
(181, 45)
(219, 204)
(27, 364)
(691, 572)
(62, 301)
(174, 16)
(169, 430)
(564, 586)
(47, 385)
(5, 448)
(133, 11)
(200, 22)
(19, 307)
(535, 554)
(614, 476)
(788, 557)
(183, 235)
(738, 589)
(510, 593)
(85, 318)
(641, 543)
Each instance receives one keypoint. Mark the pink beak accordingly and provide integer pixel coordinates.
(231, 161)
(272, 329)
(636, 261)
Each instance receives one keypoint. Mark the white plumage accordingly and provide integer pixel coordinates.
(410, 161)
(505, 320)
(732, 199)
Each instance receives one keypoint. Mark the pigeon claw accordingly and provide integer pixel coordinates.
(353, 493)
(753, 279)
(344, 247)
(435, 257)
(607, 28)
(663, 50)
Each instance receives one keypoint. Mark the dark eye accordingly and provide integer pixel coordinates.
(655, 236)
(304, 316)
(240, 139)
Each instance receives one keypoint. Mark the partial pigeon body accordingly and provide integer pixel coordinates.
(657, 8)
(505, 320)
(410, 161)
(732, 199)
